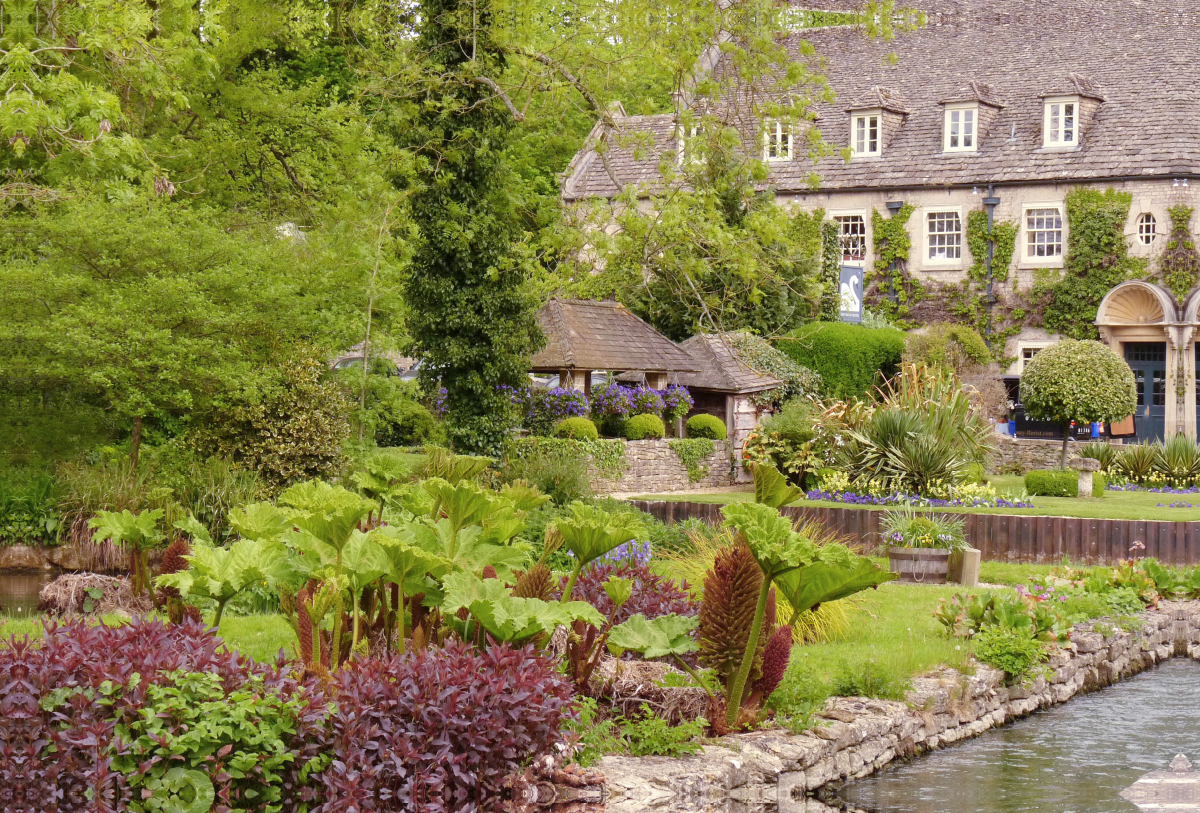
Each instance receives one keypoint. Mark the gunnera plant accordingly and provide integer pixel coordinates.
(731, 591)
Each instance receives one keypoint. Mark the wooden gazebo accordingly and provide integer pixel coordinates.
(584, 335)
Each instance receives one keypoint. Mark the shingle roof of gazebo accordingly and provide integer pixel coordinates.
(584, 334)
(721, 369)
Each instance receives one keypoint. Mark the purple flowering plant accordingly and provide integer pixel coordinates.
(613, 400)
(646, 401)
(677, 402)
(900, 498)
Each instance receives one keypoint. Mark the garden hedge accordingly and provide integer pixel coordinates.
(706, 426)
(1061, 483)
(847, 357)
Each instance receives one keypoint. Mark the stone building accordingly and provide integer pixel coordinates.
(998, 107)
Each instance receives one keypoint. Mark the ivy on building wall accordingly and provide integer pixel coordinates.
(994, 315)
(1179, 266)
(1004, 233)
(831, 272)
(1097, 260)
(890, 290)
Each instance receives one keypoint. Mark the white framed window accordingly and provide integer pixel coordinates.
(1061, 124)
(852, 237)
(777, 141)
(943, 236)
(1026, 351)
(961, 129)
(1043, 232)
(866, 136)
(1146, 228)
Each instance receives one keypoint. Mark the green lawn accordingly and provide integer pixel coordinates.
(1113, 505)
(259, 636)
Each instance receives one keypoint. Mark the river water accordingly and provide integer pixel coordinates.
(19, 590)
(1073, 758)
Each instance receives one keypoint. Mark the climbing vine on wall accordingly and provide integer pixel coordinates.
(831, 272)
(891, 291)
(1097, 260)
(1179, 266)
(1004, 233)
(995, 316)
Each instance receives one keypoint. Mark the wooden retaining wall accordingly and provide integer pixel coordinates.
(1000, 537)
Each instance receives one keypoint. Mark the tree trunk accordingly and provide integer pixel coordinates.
(135, 441)
(1066, 437)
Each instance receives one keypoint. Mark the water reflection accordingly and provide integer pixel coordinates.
(1074, 758)
(19, 590)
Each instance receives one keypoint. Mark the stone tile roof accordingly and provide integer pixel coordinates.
(586, 334)
(721, 369)
(1136, 56)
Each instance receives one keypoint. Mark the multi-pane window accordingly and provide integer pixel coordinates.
(1146, 229)
(864, 134)
(960, 130)
(1027, 354)
(777, 145)
(1061, 124)
(852, 237)
(1043, 233)
(945, 236)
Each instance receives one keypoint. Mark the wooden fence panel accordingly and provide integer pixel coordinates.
(999, 537)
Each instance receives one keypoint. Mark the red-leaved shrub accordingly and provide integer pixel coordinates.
(437, 731)
(652, 595)
(55, 760)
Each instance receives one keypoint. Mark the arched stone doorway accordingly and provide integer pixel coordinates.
(1141, 323)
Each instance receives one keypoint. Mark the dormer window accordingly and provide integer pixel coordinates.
(1061, 123)
(777, 141)
(865, 135)
(962, 128)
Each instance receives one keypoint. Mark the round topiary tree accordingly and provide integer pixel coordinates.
(1077, 381)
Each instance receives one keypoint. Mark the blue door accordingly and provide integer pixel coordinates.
(1148, 360)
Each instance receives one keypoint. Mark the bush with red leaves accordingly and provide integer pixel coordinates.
(652, 594)
(431, 732)
(438, 731)
(62, 697)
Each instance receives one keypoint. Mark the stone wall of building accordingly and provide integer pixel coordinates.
(653, 467)
(1151, 196)
(777, 771)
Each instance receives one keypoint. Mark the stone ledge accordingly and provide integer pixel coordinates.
(774, 770)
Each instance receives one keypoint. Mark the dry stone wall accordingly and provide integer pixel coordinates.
(653, 467)
(776, 771)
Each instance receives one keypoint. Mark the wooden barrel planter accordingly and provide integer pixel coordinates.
(924, 565)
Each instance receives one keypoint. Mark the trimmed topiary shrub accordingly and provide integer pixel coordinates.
(847, 357)
(1077, 381)
(576, 429)
(706, 426)
(1053, 483)
(645, 427)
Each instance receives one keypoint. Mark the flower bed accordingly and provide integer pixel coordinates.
(897, 498)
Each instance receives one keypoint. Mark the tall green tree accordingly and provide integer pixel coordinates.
(471, 311)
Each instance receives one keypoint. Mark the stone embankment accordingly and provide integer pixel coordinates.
(774, 770)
